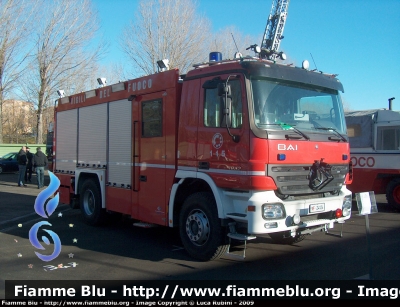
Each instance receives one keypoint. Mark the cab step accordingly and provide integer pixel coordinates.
(233, 235)
(241, 237)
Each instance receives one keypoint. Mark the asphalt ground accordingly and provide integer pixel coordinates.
(17, 202)
(123, 252)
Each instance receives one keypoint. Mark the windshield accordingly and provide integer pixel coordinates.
(9, 155)
(279, 105)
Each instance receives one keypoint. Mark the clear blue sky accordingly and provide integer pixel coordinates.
(357, 39)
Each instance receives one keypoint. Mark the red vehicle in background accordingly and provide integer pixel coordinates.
(375, 152)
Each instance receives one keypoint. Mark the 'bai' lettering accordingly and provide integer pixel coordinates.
(287, 147)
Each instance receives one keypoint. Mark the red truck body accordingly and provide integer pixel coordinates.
(231, 150)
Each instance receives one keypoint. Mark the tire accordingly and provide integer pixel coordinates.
(393, 193)
(200, 228)
(279, 238)
(91, 205)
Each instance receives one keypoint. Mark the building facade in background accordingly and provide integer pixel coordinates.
(20, 120)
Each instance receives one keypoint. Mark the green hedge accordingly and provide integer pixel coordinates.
(6, 148)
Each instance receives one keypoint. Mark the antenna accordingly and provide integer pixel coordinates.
(237, 54)
(313, 61)
(235, 43)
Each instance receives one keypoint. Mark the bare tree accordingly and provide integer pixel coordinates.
(15, 26)
(165, 29)
(346, 105)
(64, 57)
(229, 40)
(112, 72)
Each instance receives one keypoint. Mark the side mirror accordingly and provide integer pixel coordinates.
(227, 113)
(225, 92)
(224, 89)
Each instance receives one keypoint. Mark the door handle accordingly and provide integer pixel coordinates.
(204, 165)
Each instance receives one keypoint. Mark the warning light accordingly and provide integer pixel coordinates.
(215, 56)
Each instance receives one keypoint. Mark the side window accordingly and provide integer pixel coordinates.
(354, 130)
(388, 138)
(152, 118)
(213, 106)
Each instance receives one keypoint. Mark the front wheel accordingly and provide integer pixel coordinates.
(200, 228)
(393, 193)
(90, 203)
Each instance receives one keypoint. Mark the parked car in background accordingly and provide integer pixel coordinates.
(9, 163)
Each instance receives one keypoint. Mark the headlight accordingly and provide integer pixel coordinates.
(346, 207)
(296, 219)
(273, 211)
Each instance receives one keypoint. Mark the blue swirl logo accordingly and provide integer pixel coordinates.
(45, 210)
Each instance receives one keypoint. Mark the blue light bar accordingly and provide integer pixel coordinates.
(215, 56)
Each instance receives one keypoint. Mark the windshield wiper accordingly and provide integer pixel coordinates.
(341, 137)
(299, 132)
(289, 127)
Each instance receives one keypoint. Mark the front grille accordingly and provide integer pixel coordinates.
(293, 180)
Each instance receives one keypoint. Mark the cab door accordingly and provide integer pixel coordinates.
(150, 160)
(222, 151)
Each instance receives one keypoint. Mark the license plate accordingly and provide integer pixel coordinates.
(317, 208)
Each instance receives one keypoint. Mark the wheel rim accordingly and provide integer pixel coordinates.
(396, 194)
(89, 202)
(197, 227)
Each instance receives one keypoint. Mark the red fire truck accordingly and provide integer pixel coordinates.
(231, 150)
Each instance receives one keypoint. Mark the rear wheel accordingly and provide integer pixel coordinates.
(280, 238)
(200, 228)
(90, 203)
(393, 193)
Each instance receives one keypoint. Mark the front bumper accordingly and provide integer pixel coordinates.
(309, 222)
